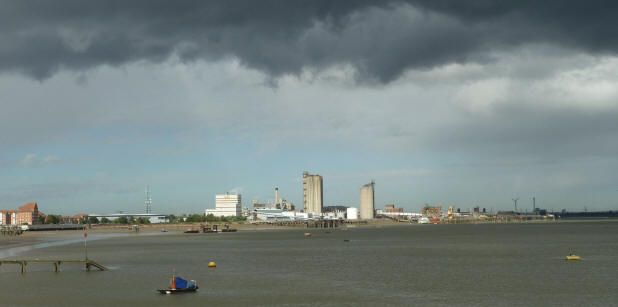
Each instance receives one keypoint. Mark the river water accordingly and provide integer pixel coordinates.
(425, 265)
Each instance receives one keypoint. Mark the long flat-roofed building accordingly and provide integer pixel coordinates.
(313, 198)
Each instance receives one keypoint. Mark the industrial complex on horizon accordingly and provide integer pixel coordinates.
(229, 205)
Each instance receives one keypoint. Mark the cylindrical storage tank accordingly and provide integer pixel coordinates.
(352, 213)
(276, 197)
(367, 202)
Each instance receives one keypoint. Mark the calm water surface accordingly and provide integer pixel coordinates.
(429, 265)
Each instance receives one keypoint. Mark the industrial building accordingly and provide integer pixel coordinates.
(429, 211)
(228, 205)
(278, 215)
(313, 198)
(154, 218)
(352, 213)
(390, 208)
(367, 201)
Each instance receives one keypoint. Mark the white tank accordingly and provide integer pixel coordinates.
(352, 213)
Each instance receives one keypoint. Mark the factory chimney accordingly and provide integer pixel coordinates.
(534, 204)
(276, 197)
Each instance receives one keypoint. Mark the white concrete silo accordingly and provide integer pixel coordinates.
(367, 201)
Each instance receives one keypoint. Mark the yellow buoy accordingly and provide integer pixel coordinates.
(307, 234)
(573, 257)
(212, 264)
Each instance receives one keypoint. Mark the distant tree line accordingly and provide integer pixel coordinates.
(188, 218)
(56, 219)
(121, 220)
(201, 218)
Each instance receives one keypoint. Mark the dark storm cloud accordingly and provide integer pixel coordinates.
(380, 39)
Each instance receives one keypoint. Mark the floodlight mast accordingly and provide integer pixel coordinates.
(148, 200)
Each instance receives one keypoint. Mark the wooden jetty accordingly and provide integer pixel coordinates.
(24, 263)
(11, 230)
(315, 223)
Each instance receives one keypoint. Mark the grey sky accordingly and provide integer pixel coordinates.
(445, 102)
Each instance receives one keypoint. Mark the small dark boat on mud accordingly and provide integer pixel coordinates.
(180, 285)
(226, 228)
(192, 231)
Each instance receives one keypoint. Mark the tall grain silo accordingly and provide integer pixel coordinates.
(313, 198)
(367, 201)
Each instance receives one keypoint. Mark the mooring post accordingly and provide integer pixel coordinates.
(23, 267)
(57, 265)
(85, 246)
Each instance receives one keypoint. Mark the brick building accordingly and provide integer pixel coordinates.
(391, 209)
(75, 219)
(27, 214)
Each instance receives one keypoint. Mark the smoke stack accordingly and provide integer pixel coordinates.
(276, 196)
(533, 204)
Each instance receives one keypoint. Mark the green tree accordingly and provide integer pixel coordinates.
(239, 218)
(143, 220)
(211, 218)
(105, 221)
(195, 218)
(122, 220)
(93, 220)
(53, 219)
(131, 220)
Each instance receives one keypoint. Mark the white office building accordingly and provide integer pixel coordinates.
(226, 205)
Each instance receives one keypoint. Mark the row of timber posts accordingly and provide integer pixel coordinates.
(24, 263)
(323, 224)
(12, 230)
(316, 224)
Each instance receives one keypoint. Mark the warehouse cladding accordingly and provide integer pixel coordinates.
(313, 198)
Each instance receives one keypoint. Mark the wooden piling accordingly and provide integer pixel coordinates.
(24, 264)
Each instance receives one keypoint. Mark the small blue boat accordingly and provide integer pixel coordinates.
(180, 285)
